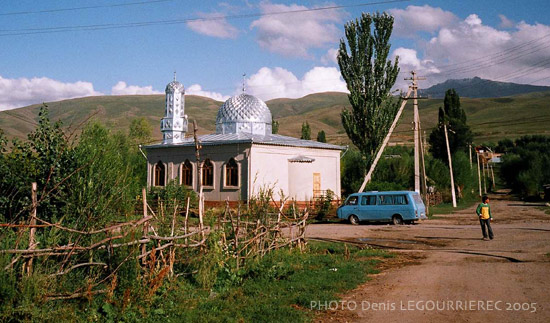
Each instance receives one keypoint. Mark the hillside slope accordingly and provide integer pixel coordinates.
(490, 118)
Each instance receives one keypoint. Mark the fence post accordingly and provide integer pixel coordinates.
(32, 243)
(145, 225)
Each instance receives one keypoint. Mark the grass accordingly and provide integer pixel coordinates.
(447, 208)
(279, 287)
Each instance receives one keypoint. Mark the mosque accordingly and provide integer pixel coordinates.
(242, 157)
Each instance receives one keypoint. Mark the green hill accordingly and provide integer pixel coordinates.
(490, 118)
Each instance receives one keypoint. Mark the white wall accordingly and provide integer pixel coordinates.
(270, 167)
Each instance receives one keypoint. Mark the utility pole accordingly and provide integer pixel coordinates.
(416, 121)
(450, 165)
(478, 172)
(492, 175)
(470, 150)
(484, 177)
(385, 142)
(198, 147)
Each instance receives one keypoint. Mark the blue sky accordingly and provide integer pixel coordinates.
(283, 55)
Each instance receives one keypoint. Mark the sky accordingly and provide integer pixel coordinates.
(53, 50)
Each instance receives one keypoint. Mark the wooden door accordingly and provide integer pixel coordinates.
(317, 184)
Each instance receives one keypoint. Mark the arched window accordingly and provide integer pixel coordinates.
(207, 173)
(232, 173)
(187, 173)
(160, 174)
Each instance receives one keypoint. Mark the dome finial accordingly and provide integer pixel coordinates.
(244, 75)
(174, 76)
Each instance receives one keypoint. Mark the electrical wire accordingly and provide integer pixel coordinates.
(47, 30)
(125, 4)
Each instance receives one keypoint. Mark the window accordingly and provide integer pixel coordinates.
(352, 200)
(400, 200)
(386, 199)
(159, 174)
(187, 173)
(232, 173)
(207, 173)
(368, 200)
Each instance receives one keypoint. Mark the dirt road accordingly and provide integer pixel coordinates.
(446, 273)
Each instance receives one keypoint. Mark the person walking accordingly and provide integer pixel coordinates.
(484, 213)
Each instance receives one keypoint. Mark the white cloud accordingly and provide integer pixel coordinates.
(468, 48)
(331, 57)
(214, 25)
(420, 18)
(505, 22)
(15, 93)
(269, 83)
(196, 89)
(121, 88)
(294, 34)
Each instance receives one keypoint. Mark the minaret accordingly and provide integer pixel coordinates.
(174, 124)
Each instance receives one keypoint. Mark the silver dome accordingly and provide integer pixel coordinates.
(173, 86)
(244, 113)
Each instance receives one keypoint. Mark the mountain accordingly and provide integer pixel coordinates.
(480, 88)
(491, 119)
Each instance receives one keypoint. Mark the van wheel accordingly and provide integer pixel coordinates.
(353, 219)
(397, 220)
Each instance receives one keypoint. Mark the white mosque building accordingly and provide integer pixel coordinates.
(242, 157)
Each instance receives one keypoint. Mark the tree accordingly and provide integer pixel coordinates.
(460, 135)
(369, 77)
(275, 127)
(306, 131)
(321, 136)
(140, 130)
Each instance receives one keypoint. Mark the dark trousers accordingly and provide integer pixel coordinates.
(484, 224)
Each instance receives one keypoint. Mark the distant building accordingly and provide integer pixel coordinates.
(243, 155)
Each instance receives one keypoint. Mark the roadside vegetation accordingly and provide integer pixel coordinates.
(94, 181)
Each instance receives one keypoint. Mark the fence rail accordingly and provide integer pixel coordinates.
(153, 240)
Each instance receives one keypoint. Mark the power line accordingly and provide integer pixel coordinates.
(47, 30)
(495, 55)
(125, 4)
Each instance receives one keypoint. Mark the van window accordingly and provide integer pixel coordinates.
(368, 200)
(417, 198)
(400, 200)
(386, 199)
(352, 200)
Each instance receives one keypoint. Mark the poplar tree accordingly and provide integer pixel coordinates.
(459, 132)
(321, 136)
(306, 131)
(369, 76)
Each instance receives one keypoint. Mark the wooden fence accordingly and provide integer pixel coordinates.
(154, 238)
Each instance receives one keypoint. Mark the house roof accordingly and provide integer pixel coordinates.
(236, 138)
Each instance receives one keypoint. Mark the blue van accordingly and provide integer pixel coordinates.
(397, 207)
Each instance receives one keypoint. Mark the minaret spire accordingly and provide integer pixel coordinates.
(174, 124)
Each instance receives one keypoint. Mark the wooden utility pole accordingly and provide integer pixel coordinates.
(470, 150)
(484, 177)
(478, 172)
(492, 175)
(416, 121)
(450, 166)
(198, 147)
(385, 142)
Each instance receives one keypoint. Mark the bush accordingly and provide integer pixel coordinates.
(526, 166)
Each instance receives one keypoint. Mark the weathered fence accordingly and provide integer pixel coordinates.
(152, 239)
